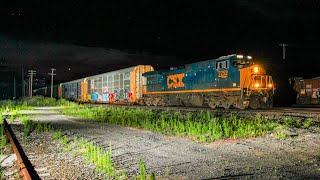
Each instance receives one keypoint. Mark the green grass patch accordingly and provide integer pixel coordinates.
(27, 103)
(100, 157)
(202, 126)
(3, 139)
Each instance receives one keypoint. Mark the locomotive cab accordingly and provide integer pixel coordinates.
(257, 87)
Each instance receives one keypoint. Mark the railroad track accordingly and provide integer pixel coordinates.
(27, 171)
(277, 113)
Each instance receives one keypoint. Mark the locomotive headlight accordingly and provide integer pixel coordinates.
(249, 57)
(256, 69)
(240, 56)
(256, 85)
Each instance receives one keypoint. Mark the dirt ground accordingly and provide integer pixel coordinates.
(297, 157)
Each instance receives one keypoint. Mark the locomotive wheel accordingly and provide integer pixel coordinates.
(254, 101)
(148, 102)
(155, 101)
(240, 104)
(212, 103)
(161, 102)
(225, 103)
(270, 103)
(197, 101)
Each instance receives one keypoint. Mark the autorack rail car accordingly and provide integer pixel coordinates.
(308, 91)
(125, 85)
(232, 80)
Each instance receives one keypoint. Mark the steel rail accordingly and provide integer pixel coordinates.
(27, 171)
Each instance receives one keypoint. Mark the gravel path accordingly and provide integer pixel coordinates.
(49, 157)
(261, 158)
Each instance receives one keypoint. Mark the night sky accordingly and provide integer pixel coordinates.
(94, 37)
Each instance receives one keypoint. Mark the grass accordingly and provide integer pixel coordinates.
(202, 126)
(91, 153)
(142, 170)
(101, 158)
(199, 126)
(43, 101)
(2, 139)
(26, 103)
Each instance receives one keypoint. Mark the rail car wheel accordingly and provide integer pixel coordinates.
(212, 103)
(254, 101)
(225, 104)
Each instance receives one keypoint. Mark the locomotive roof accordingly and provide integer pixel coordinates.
(220, 58)
(167, 70)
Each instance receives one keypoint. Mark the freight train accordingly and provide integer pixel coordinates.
(124, 85)
(308, 91)
(228, 81)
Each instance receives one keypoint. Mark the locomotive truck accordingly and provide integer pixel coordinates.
(232, 80)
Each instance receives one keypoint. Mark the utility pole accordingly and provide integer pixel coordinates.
(14, 88)
(27, 86)
(31, 73)
(284, 45)
(22, 83)
(27, 91)
(52, 74)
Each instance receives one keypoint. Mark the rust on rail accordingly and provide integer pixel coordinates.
(26, 169)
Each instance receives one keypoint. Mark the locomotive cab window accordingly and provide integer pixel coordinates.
(240, 63)
(222, 65)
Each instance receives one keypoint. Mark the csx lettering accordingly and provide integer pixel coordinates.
(175, 80)
(223, 74)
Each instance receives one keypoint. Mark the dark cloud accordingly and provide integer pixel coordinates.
(284, 10)
(95, 37)
(81, 60)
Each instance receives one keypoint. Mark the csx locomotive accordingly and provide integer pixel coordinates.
(232, 80)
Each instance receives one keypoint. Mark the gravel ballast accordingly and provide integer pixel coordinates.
(297, 157)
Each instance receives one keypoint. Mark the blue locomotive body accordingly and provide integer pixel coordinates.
(227, 81)
(210, 74)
